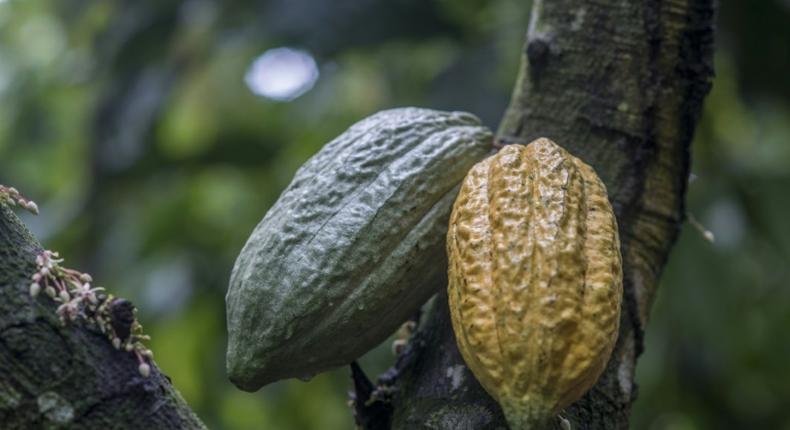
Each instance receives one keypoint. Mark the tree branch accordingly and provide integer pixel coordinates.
(620, 85)
(56, 376)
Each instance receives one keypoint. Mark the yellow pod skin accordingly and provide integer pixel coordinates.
(535, 279)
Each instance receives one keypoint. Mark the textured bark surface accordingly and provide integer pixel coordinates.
(620, 85)
(54, 376)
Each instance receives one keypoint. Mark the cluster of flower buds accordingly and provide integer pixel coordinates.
(114, 317)
(402, 337)
(12, 197)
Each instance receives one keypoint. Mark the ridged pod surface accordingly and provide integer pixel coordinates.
(353, 246)
(535, 279)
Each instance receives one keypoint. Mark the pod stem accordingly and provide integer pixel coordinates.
(526, 417)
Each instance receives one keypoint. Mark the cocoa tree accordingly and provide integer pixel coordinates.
(619, 84)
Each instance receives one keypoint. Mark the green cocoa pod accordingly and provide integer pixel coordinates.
(353, 246)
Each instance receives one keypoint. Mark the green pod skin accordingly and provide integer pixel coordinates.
(352, 248)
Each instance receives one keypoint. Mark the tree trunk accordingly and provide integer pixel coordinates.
(620, 85)
(55, 376)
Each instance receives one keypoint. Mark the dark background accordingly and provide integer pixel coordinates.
(133, 127)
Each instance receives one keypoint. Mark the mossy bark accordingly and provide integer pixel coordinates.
(620, 85)
(68, 377)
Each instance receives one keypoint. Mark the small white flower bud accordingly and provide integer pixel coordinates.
(148, 353)
(32, 207)
(36, 277)
(144, 369)
(129, 347)
(64, 295)
(35, 288)
(116, 343)
(50, 292)
(398, 346)
(44, 271)
(13, 191)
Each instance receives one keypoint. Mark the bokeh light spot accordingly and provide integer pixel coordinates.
(282, 74)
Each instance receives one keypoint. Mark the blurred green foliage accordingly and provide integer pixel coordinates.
(131, 126)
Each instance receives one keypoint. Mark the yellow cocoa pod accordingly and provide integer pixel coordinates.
(535, 279)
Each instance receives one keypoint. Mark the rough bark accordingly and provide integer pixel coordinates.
(55, 376)
(620, 85)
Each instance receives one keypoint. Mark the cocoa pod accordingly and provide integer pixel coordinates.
(535, 279)
(352, 248)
